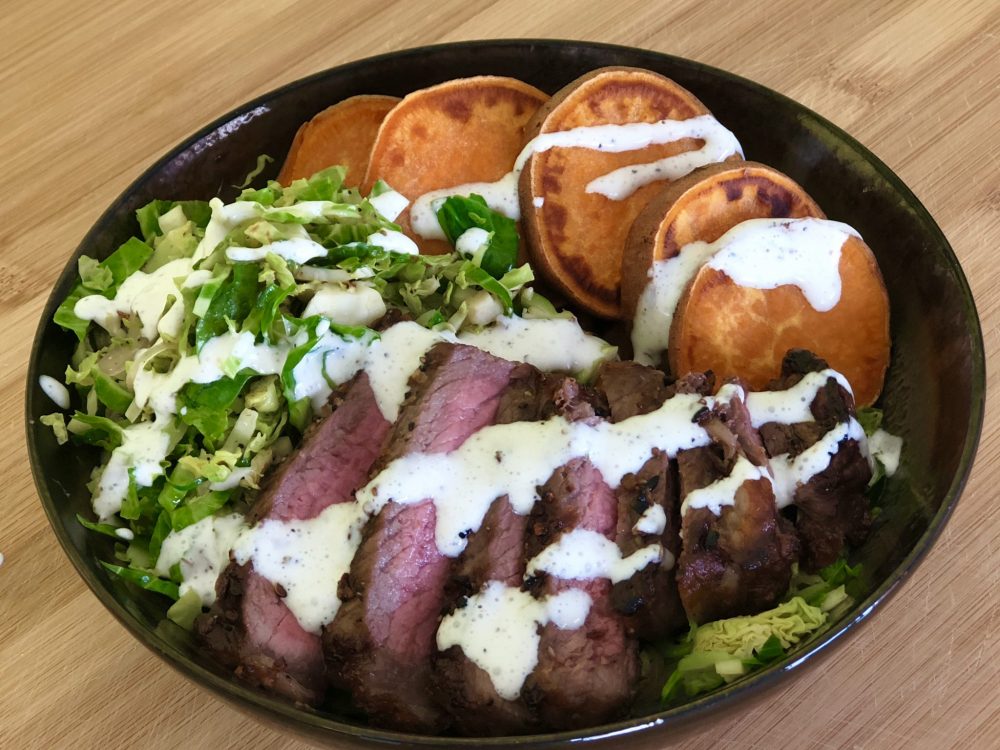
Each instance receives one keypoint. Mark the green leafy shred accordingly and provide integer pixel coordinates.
(722, 651)
(145, 579)
(870, 419)
(458, 214)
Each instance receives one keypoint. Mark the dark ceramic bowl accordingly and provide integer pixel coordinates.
(933, 397)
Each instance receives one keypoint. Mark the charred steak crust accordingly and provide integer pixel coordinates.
(382, 639)
(249, 628)
(832, 507)
(649, 599)
(740, 561)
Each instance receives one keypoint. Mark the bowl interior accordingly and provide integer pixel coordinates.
(933, 397)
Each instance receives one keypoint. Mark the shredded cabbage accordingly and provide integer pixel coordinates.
(189, 369)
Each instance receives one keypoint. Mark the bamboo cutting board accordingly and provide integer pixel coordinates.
(93, 93)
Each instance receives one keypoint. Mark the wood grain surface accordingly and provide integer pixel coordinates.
(92, 93)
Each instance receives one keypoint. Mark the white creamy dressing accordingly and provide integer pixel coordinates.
(144, 446)
(582, 554)
(393, 358)
(349, 305)
(202, 549)
(393, 241)
(887, 449)
(332, 360)
(768, 253)
(471, 241)
(142, 294)
(550, 344)
(654, 314)
(790, 472)
(388, 360)
(792, 405)
(722, 492)
(330, 275)
(719, 144)
(389, 204)
(225, 217)
(499, 630)
(758, 254)
(296, 249)
(306, 558)
(55, 390)
(652, 521)
(502, 195)
(515, 459)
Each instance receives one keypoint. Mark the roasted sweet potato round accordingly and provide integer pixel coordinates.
(703, 206)
(740, 331)
(576, 239)
(342, 134)
(461, 131)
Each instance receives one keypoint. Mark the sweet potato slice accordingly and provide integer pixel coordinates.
(703, 206)
(739, 331)
(461, 131)
(342, 134)
(577, 239)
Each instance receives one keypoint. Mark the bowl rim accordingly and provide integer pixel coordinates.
(310, 720)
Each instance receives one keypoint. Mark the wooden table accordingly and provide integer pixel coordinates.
(92, 93)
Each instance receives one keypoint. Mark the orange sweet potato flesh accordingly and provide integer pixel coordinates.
(734, 330)
(342, 134)
(465, 130)
(576, 239)
(704, 205)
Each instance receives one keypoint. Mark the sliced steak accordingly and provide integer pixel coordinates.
(649, 599)
(496, 552)
(383, 636)
(588, 675)
(249, 628)
(737, 562)
(832, 507)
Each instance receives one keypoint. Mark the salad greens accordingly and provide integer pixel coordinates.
(230, 284)
(722, 651)
(459, 214)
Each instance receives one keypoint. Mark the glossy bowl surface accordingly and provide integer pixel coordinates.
(933, 398)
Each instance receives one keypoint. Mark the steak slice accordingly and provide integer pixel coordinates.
(832, 507)
(585, 676)
(649, 599)
(738, 562)
(249, 628)
(496, 552)
(382, 639)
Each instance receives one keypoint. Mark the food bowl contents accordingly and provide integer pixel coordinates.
(362, 452)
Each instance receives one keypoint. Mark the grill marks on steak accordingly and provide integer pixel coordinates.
(738, 562)
(249, 628)
(832, 507)
(496, 552)
(649, 600)
(383, 636)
